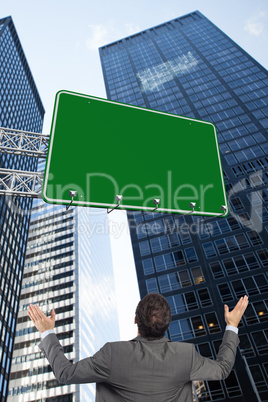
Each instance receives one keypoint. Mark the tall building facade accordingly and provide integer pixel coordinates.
(66, 268)
(189, 67)
(20, 108)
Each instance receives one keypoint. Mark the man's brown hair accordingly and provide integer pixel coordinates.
(153, 316)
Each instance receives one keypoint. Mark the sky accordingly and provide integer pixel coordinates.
(61, 38)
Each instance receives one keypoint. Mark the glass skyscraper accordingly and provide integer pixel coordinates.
(65, 269)
(189, 67)
(20, 108)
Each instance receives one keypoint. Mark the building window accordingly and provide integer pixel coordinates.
(265, 366)
(251, 285)
(191, 254)
(212, 391)
(185, 236)
(184, 278)
(238, 172)
(203, 232)
(179, 258)
(148, 266)
(237, 204)
(216, 269)
(233, 223)
(174, 240)
(230, 266)
(187, 328)
(256, 313)
(212, 323)
(209, 249)
(254, 198)
(144, 248)
(224, 225)
(170, 260)
(232, 385)
(141, 231)
(251, 261)
(175, 331)
(256, 180)
(169, 223)
(197, 275)
(265, 195)
(205, 350)
(176, 280)
(240, 264)
(182, 303)
(164, 262)
(258, 377)
(225, 292)
(245, 345)
(231, 243)
(156, 227)
(151, 285)
(262, 214)
(168, 283)
(214, 229)
(263, 256)
(221, 246)
(230, 159)
(138, 216)
(245, 219)
(164, 242)
(198, 326)
(191, 301)
(204, 297)
(260, 339)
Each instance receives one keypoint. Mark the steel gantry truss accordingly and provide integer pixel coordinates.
(18, 142)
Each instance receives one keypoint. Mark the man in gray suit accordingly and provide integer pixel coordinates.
(147, 368)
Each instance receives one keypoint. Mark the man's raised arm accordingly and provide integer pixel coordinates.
(233, 317)
(91, 369)
(42, 323)
(219, 369)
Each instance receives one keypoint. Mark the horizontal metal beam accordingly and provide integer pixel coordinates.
(18, 142)
(19, 183)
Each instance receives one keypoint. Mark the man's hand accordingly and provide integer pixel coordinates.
(233, 317)
(41, 322)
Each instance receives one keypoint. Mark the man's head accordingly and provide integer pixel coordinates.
(153, 316)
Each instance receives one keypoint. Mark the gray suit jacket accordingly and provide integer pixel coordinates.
(142, 370)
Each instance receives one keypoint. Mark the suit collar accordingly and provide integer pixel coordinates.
(142, 339)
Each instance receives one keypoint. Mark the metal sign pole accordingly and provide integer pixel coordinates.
(250, 377)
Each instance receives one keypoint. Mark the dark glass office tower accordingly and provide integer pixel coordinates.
(20, 108)
(189, 67)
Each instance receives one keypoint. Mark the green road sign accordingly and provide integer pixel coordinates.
(101, 149)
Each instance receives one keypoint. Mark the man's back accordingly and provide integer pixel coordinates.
(144, 371)
(141, 370)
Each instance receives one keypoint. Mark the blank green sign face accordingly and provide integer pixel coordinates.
(101, 149)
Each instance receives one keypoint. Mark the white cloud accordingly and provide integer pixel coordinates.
(152, 78)
(97, 38)
(254, 25)
(254, 28)
(131, 28)
(100, 35)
